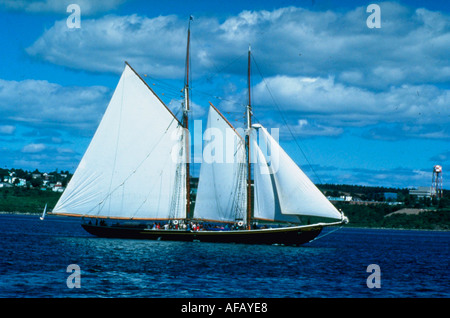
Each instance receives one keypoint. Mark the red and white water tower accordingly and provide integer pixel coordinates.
(436, 182)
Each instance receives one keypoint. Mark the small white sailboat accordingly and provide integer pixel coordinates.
(43, 213)
(136, 168)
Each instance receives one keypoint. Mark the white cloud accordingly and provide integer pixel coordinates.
(33, 148)
(7, 129)
(154, 46)
(65, 150)
(325, 67)
(305, 128)
(36, 103)
(344, 105)
(411, 46)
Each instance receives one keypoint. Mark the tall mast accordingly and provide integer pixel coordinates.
(186, 123)
(247, 137)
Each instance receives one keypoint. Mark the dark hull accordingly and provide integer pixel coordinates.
(287, 236)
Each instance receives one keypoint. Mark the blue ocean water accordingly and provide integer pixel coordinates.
(34, 256)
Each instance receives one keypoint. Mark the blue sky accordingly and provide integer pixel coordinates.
(368, 106)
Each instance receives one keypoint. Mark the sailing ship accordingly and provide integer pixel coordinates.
(134, 178)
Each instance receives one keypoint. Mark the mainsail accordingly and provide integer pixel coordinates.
(221, 189)
(134, 167)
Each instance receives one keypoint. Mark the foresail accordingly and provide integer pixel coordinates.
(133, 167)
(266, 202)
(296, 193)
(221, 189)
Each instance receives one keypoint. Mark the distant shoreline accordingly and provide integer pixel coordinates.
(347, 226)
(20, 213)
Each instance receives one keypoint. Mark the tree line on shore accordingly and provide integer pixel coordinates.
(435, 212)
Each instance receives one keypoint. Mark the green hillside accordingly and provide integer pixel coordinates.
(368, 208)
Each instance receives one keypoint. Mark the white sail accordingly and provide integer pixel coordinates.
(43, 213)
(266, 202)
(296, 193)
(130, 168)
(221, 193)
